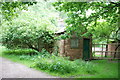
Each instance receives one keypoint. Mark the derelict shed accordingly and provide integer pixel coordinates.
(75, 47)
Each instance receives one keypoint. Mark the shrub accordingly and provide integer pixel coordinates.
(26, 57)
(55, 64)
(21, 51)
(63, 65)
(44, 52)
(25, 30)
(52, 63)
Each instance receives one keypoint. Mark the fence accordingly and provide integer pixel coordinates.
(106, 51)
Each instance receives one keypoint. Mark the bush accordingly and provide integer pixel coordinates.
(52, 63)
(21, 51)
(63, 65)
(28, 57)
(55, 64)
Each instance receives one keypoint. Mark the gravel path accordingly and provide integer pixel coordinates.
(10, 69)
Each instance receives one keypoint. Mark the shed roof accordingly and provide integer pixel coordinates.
(60, 31)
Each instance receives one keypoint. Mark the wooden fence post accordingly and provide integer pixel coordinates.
(102, 52)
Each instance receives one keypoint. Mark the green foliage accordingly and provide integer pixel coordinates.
(44, 53)
(82, 14)
(63, 65)
(92, 69)
(27, 57)
(21, 52)
(46, 61)
(63, 36)
(37, 24)
(57, 67)
(11, 9)
(2, 49)
(56, 51)
(102, 31)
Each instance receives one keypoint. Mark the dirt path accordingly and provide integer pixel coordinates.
(10, 69)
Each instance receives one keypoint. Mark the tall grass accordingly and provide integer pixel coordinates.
(46, 61)
(63, 67)
(2, 49)
(60, 65)
(21, 52)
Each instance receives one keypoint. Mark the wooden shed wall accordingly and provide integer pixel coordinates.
(74, 53)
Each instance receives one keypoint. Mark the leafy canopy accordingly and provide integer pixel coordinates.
(36, 23)
(11, 9)
(82, 14)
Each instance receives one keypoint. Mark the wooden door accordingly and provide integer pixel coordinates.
(86, 49)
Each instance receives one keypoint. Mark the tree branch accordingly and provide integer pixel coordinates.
(30, 46)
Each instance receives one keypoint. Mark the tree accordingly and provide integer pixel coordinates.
(37, 24)
(11, 9)
(79, 20)
(102, 31)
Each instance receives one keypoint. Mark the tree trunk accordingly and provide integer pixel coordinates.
(116, 50)
(117, 33)
(106, 48)
(30, 46)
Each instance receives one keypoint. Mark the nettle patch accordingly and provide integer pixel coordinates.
(62, 65)
(50, 62)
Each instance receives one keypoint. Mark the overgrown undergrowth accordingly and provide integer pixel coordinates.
(62, 67)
